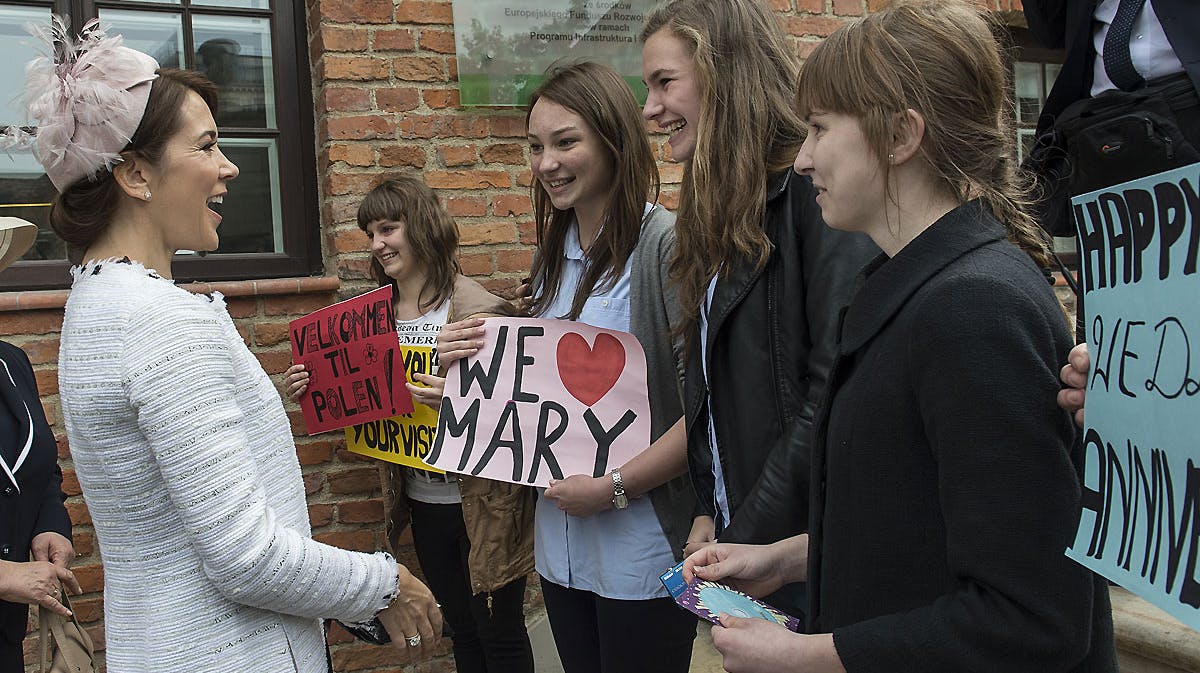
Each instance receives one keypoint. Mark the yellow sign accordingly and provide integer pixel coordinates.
(405, 439)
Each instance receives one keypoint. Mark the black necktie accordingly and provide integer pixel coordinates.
(1117, 61)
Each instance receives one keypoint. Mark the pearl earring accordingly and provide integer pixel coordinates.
(891, 160)
(147, 195)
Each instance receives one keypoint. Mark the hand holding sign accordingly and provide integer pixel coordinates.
(543, 399)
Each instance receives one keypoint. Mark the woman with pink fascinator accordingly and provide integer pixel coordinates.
(179, 439)
(35, 522)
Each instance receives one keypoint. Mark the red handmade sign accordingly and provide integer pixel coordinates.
(350, 352)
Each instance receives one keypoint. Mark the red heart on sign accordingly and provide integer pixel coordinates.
(589, 373)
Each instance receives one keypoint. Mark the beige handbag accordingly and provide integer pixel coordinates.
(65, 647)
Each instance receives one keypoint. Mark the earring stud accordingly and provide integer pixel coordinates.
(147, 195)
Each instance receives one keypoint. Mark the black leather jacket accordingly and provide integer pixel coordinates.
(771, 342)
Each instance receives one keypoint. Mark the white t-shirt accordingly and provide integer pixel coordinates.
(418, 348)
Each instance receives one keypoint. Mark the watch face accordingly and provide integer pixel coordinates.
(620, 501)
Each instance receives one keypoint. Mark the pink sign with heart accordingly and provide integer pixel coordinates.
(544, 399)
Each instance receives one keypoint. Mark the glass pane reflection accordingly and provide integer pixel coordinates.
(155, 33)
(241, 4)
(251, 219)
(235, 52)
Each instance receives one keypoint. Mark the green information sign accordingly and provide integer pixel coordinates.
(505, 46)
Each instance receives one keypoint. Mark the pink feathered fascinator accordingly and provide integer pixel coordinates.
(86, 99)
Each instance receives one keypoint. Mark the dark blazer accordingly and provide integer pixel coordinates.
(37, 505)
(770, 343)
(948, 478)
(1067, 24)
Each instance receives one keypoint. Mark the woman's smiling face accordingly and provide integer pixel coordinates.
(672, 98)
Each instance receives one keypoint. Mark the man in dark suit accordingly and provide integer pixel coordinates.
(33, 519)
(1080, 25)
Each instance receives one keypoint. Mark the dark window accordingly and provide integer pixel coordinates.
(253, 50)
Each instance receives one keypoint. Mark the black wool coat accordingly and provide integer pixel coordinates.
(946, 478)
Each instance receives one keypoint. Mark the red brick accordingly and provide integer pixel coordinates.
(357, 480)
(274, 362)
(669, 198)
(345, 99)
(483, 234)
(402, 155)
(525, 179)
(395, 39)
(518, 260)
(354, 540)
(359, 68)
(671, 173)
(355, 269)
(41, 351)
(440, 41)
(341, 184)
(349, 239)
(270, 333)
(360, 511)
(352, 154)
(440, 98)
(90, 576)
(476, 264)
(419, 68)
(88, 610)
(397, 100)
(354, 11)
(314, 482)
(295, 304)
(84, 542)
(70, 483)
(314, 453)
(467, 179)
(337, 634)
(805, 48)
(242, 307)
(848, 7)
(466, 206)
(334, 38)
(30, 322)
(815, 25)
(422, 11)
(362, 656)
(508, 126)
(244, 332)
(781, 5)
(511, 204)
(365, 127)
(443, 126)
(47, 380)
(320, 516)
(813, 6)
(527, 231)
(459, 155)
(504, 153)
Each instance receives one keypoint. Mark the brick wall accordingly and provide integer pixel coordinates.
(386, 101)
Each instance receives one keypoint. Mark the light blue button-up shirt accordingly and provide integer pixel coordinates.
(616, 553)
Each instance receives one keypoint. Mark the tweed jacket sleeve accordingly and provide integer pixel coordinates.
(184, 366)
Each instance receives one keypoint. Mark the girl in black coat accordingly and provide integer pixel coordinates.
(945, 482)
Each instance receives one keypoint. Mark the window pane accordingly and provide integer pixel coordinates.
(25, 191)
(155, 33)
(1052, 70)
(235, 52)
(241, 4)
(1028, 89)
(251, 219)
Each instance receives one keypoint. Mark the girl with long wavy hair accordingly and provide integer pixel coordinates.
(602, 541)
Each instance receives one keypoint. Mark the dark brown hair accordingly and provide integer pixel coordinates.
(942, 60)
(83, 211)
(745, 73)
(428, 228)
(601, 97)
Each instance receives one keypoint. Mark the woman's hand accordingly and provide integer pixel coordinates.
(1074, 375)
(429, 394)
(752, 645)
(581, 495)
(703, 533)
(295, 382)
(52, 547)
(458, 340)
(758, 570)
(413, 614)
(37, 583)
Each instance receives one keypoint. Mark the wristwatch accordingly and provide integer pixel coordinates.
(619, 499)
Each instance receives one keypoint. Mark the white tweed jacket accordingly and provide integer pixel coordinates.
(189, 470)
